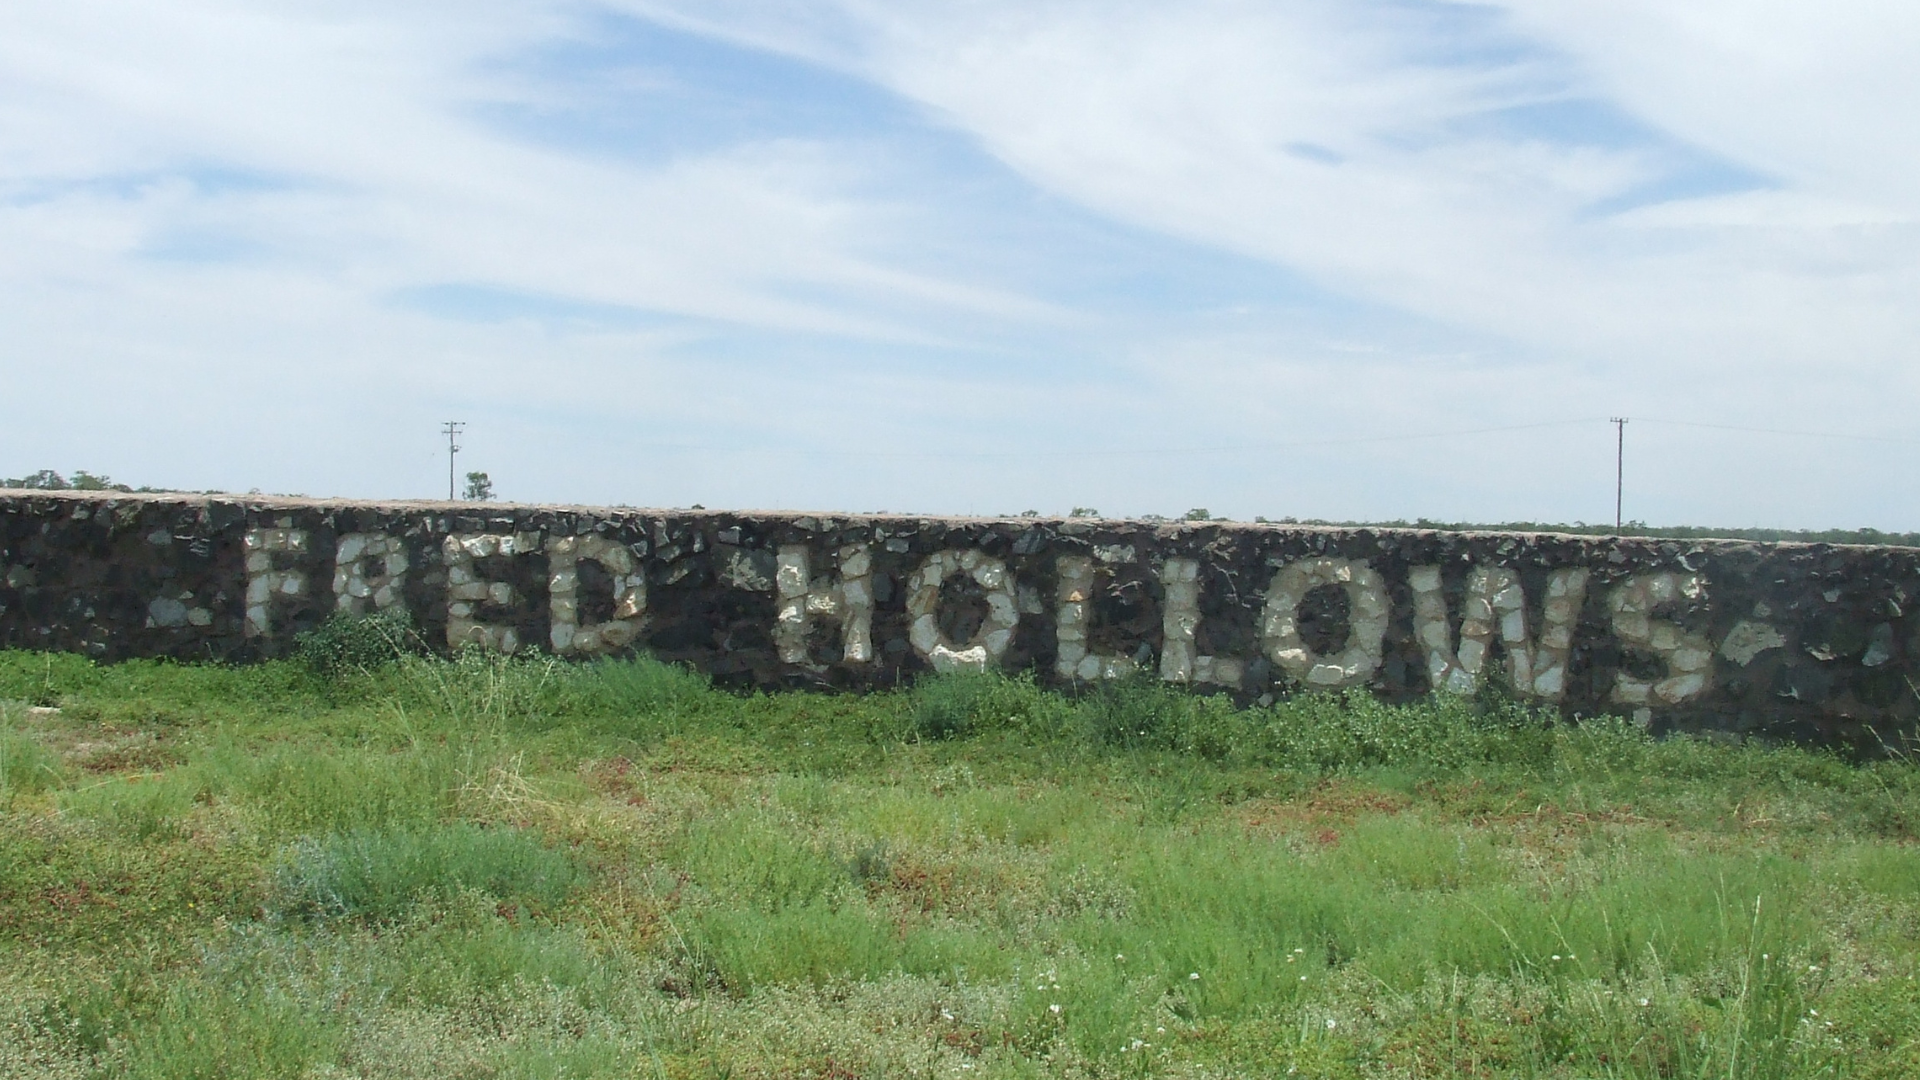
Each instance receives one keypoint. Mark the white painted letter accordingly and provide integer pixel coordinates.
(923, 604)
(564, 555)
(369, 568)
(1179, 626)
(1495, 602)
(1366, 622)
(1075, 594)
(804, 598)
(1689, 657)
(466, 589)
(264, 582)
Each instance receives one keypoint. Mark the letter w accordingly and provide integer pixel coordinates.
(1495, 604)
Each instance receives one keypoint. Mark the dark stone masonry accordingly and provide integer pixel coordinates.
(1809, 642)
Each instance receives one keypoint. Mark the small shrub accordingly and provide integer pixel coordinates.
(961, 705)
(322, 789)
(346, 644)
(635, 687)
(1137, 713)
(380, 876)
(142, 807)
(26, 767)
(207, 1033)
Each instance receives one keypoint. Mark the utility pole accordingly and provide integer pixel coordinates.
(452, 431)
(1619, 468)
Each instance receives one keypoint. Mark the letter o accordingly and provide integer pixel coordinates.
(923, 605)
(1366, 622)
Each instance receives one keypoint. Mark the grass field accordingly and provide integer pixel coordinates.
(480, 867)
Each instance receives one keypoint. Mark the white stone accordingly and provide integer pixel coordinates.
(1691, 658)
(1001, 611)
(1630, 691)
(1327, 675)
(1551, 683)
(1219, 671)
(924, 634)
(1749, 639)
(790, 574)
(1680, 687)
(944, 659)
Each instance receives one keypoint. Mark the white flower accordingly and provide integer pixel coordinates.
(1332, 1023)
(1054, 1009)
(1194, 976)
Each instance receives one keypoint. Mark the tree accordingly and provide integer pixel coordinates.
(479, 487)
(48, 480)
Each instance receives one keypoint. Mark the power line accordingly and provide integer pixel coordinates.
(1778, 431)
(1244, 448)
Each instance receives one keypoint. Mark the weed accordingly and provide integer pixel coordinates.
(381, 875)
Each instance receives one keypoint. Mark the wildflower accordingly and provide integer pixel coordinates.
(1556, 956)
(1332, 1023)
(1120, 956)
(1303, 978)
(1194, 977)
(945, 1015)
(1159, 1031)
(1054, 1009)
(1643, 1003)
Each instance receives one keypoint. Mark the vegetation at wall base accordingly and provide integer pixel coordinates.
(367, 861)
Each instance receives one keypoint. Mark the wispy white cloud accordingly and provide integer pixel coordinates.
(665, 264)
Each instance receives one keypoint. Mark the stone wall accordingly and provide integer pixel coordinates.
(1804, 641)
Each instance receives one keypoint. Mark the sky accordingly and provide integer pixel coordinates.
(1337, 259)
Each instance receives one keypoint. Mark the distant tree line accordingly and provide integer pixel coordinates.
(48, 480)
